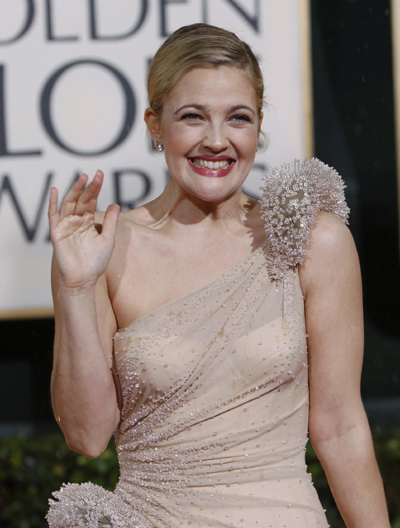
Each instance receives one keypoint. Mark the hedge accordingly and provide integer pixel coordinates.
(32, 467)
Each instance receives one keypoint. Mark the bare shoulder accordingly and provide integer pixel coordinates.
(134, 220)
(331, 254)
(328, 236)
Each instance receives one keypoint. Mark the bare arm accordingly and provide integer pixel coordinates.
(339, 429)
(84, 392)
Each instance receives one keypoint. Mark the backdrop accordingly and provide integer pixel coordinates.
(72, 98)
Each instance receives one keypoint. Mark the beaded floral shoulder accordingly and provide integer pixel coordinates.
(292, 195)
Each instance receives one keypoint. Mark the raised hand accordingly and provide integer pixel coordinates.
(81, 252)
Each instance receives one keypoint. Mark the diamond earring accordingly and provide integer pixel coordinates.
(159, 146)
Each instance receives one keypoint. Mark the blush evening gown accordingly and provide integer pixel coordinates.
(215, 389)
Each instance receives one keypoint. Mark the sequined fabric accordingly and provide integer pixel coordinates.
(89, 506)
(292, 196)
(215, 389)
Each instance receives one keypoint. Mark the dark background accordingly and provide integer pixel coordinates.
(354, 132)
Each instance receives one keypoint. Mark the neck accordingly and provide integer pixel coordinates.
(178, 210)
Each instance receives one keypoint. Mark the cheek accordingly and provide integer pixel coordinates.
(178, 139)
(247, 142)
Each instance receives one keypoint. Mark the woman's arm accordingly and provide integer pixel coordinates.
(84, 394)
(339, 429)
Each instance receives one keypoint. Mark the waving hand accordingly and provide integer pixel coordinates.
(81, 252)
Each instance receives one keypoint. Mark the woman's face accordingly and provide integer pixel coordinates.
(209, 127)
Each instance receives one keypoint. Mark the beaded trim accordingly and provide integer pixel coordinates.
(292, 195)
(90, 506)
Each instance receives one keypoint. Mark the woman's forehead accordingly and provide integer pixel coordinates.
(225, 85)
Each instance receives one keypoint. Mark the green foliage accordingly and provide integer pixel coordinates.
(32, 468)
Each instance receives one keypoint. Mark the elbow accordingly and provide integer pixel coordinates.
(89, 451)
(89, 448)
(323, 432)
(89, 439)
(335, 429)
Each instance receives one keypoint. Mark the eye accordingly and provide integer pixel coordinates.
(191, 117)
(241, 118)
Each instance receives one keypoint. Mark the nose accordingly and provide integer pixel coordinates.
(215, 138)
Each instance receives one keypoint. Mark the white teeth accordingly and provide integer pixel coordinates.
(202, 163)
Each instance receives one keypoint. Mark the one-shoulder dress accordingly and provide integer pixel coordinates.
(215, 389)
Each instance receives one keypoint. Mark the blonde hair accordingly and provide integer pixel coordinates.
(199, 46)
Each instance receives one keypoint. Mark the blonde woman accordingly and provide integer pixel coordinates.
(205, 300)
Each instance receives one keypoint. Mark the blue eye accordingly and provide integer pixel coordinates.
(191, 116)
(241, 117)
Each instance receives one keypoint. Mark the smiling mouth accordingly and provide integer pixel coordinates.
(201, 163)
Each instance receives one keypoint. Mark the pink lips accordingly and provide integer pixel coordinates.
(212, 173)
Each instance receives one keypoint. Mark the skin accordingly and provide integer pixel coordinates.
(196, 229)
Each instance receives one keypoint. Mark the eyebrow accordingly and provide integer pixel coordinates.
(204, 108)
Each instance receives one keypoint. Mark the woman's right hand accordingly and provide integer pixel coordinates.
(82, 253)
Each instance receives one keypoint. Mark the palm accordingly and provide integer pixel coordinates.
(82, 254)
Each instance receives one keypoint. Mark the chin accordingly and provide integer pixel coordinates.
(215, 195)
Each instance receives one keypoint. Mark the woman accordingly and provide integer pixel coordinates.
(206, 293)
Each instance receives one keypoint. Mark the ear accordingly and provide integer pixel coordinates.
(260, 121)
(153, 124)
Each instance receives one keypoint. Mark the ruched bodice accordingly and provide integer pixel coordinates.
(214, 421)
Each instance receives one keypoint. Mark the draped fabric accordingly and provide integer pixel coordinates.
(215, 406)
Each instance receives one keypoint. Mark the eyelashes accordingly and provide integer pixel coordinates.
(191, 117)
(239, 118)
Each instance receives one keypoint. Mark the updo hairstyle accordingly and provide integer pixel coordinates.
(199, 46)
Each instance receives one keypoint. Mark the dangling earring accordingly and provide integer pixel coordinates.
(159, 146)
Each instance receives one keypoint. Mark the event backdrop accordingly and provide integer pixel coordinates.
(72, 98)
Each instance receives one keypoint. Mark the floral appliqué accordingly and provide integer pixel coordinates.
(292, 196)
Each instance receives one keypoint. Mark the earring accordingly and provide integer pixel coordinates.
(159, 146)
